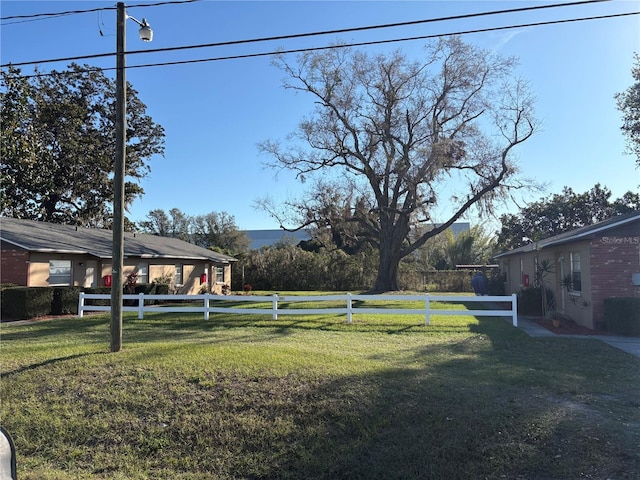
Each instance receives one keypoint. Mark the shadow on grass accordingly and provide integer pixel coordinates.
(492, 403)
(46, 363)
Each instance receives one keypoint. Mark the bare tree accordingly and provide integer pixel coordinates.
(408, 136)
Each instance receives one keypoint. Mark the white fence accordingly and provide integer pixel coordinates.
(207, 300)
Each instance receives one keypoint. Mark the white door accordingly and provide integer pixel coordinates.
(90, 273)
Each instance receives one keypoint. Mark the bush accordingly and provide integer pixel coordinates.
(65, 300)
(622, 316)
(98, 290)
(162, 289)
(22, 303)
(530, 301)
(448, 280)
(146, 288)
(496, 283)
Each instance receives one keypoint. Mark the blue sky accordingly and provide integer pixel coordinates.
(215, 113)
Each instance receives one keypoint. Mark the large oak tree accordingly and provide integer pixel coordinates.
(58, 145)
(409, 137)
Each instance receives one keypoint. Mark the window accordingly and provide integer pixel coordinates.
(143, 273)
(219, 274)
(60, 272)
(576, 273)
(178, 275)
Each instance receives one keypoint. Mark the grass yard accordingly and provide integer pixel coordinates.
(310, 397)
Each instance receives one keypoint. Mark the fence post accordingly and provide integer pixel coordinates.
(141, 305)
(206, 306)
(81, 305)
(349, 307)
(275, 306)
(427, 309)
(514, 309)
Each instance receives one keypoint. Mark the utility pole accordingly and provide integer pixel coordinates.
(119, 171)
(118, 183)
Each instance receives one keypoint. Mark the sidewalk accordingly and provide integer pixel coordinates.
(626, 344)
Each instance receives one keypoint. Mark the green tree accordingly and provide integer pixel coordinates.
(174, 225)
(471, 247)
(406, 134)
(560, 213)
(218, 230)
(57, 145)
(215, 230)
(629, 104)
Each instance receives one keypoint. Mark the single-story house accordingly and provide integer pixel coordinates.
(588, 265)
(43, 254)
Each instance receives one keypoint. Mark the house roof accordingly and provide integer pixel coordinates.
(577, 234)
(54, 238)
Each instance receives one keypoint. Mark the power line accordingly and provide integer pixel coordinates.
(303, 35)
(359, 44)
(373, 42)
(41, 16)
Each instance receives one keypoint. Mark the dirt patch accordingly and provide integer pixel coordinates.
(567, 327)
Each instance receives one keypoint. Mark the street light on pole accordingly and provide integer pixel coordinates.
(119, 171)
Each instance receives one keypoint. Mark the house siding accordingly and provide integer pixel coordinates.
(615, 257)
(13, 265)
(578, 305)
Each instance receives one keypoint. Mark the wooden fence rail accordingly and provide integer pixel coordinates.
(275, 300)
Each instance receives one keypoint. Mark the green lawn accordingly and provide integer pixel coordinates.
(248, 397)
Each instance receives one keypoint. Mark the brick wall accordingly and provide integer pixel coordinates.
(614, 258)
(14, 266)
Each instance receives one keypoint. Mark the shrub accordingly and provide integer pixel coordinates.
(448, 280)
(146, 288)
(65, 300)
(496, 283)
(21, 303)
(162, 288)
(622, 316)
(98, 290)
(530, 301)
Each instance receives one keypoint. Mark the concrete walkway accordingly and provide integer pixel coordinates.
(626, 344)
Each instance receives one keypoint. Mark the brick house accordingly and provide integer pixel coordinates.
(43, 254)
(589, 264)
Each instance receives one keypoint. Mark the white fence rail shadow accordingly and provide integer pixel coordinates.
(208, 301)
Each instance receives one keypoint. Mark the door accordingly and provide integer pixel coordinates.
(90, 273)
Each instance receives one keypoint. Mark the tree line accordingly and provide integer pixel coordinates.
(329, 261)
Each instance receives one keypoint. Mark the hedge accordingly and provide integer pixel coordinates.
(622, 316)
(448, 280)
(21, 303)
(530, 301)
(65, 300)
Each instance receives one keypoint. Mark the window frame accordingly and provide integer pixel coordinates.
(219, 274)
(178, 275)
(64, 276)
(142, 269)
(576, 273)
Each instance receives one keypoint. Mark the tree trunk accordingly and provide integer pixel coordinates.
(387, 279)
